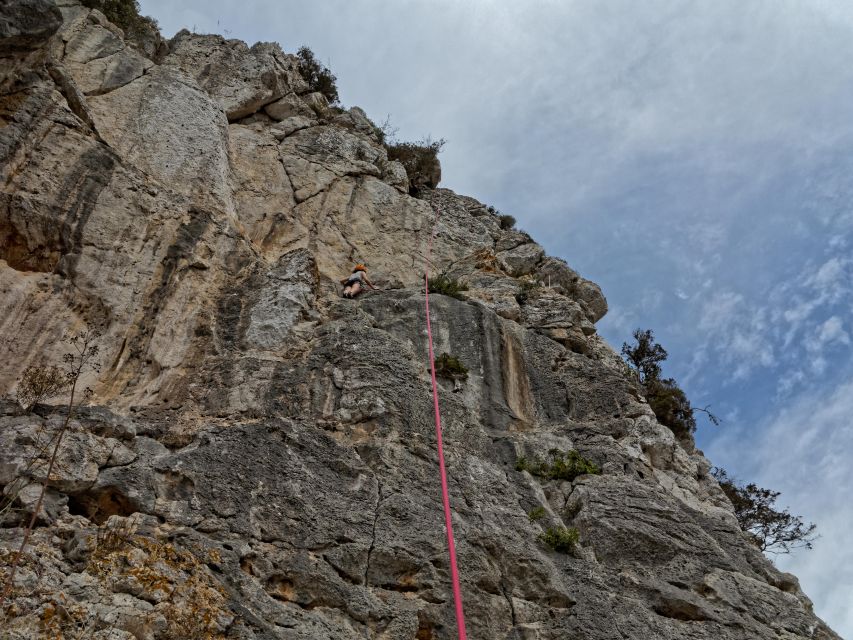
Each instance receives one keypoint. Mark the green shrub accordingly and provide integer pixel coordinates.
(536, 514)
(445, 285)
(525, 290)
(562, 466)
(668, 401)
(448, 366)
(317, 75)
(420, 159)
(561, 539)
(125, 15)
(506, 221)
(671, 406)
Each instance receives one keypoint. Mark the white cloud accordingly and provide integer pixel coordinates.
(831, 331)
(737, 334)
(832, 279)
(721, 311)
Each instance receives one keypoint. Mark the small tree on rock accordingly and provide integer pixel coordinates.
(771, 530)
(665, 397)
(317, 75)
(420, 160)
(645, 356)
(125, 14)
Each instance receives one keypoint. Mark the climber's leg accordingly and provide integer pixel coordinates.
(355, 289)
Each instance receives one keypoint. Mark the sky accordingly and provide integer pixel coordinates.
(693, 158)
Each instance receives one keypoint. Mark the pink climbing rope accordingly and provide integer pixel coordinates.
(454, 572)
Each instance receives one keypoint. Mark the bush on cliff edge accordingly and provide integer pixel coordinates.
(317, 75)
(125, 15)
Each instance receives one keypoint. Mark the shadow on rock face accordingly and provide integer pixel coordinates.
(99, 505)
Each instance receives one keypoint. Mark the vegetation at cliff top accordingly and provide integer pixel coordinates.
(665, 397)
(125, 15)
(419, 159)
(771, 530)
(317, 75)
(506, 221)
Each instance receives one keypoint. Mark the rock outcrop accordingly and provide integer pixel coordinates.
(258, 460)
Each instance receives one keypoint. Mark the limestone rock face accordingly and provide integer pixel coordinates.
(258, 458)
(241, 79)
(96, 56)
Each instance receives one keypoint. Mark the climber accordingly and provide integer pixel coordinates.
(353, 283)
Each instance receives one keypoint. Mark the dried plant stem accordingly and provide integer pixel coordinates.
(10, 580)
(76, 364)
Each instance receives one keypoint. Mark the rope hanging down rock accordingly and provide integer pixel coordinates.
(454, 572)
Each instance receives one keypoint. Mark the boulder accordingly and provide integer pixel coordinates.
(289, 106)
(560, 277)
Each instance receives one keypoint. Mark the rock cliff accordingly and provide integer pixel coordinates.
(258, 458)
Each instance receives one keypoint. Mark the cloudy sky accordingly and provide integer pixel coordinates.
(693, 158)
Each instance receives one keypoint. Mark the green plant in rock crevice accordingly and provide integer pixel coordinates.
(562, 466)
(526, 289)
(448, 366)
(536, 514)
(561, 539)
(445, 285)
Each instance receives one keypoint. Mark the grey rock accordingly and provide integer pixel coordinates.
(317, 103)
(522, 259)
(25, 24)
(289, 106)
(290, 125)
(285, 304)
(559, 276)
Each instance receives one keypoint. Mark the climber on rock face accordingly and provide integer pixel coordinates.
(353, 283)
